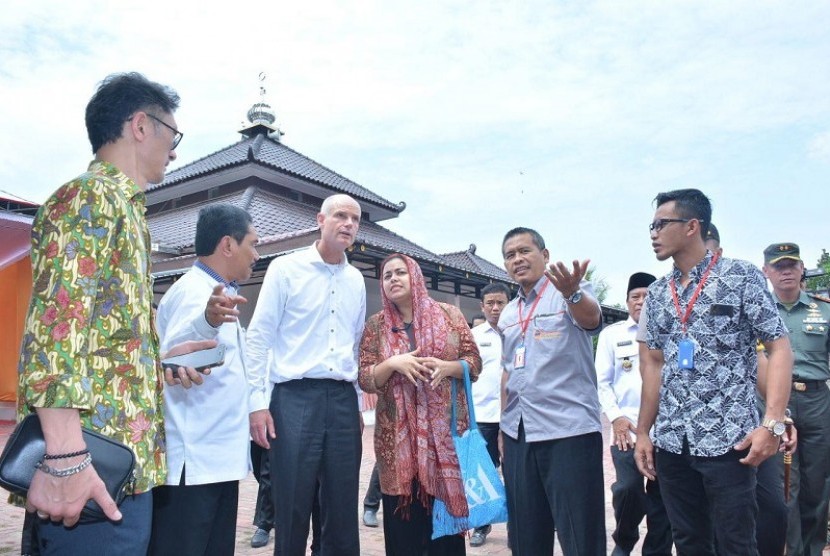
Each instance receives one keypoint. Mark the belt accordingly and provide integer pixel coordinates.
(804, 385)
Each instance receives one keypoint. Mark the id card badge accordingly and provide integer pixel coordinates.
(519, 358)
(686, 354)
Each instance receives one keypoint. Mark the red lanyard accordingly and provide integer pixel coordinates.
(526, 322)
(685, 317)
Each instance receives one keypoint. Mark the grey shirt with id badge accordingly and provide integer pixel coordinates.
(551, 383)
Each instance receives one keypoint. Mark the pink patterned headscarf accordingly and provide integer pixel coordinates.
(424, 448)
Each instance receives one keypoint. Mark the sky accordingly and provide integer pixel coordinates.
(567, 117)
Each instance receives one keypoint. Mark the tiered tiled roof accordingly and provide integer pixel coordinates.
(468, 260)
(263, 150)
(282, 222)
(275, 218)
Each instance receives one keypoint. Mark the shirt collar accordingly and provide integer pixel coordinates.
(215, 275)
(697, 271)
(316, 258)
(124, 184)
(534, 292)
(485, 328)
(803, 299)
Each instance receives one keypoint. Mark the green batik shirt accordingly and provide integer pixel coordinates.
(89, 341)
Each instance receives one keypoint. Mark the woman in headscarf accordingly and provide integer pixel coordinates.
(410, 352)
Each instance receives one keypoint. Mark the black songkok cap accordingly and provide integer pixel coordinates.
(712, 233)
(639, 280)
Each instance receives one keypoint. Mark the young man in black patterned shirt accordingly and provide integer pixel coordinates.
(698, 332)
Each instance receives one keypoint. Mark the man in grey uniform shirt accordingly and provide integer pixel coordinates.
(552, 433)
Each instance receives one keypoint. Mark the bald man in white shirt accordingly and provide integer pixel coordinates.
(310, 316)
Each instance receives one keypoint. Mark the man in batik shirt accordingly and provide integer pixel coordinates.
(90, 352)
(699, 329)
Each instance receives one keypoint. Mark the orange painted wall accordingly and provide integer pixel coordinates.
(15, 291)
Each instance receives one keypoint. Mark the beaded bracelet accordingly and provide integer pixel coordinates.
(66, 456)
(66, 471)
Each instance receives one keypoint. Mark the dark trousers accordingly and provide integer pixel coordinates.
(707, 497)
(633, 498)
(771, 522)
(316, 528)
(372, 499)
(264, 512)
(555, 485)
(409, 532)
(810, 474)
(128, 537)
(318, 440)
(29, 545)
(490, 433)
(194, 520)
(771, 526)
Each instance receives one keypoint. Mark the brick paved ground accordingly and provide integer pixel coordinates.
(371, 540)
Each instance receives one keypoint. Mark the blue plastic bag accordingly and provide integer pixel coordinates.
(486, 498)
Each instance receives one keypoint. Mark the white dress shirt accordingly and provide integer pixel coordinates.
(618, 371)
(487, 389)
(310, 314)
(206, 425)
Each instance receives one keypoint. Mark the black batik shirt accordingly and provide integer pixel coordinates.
(712, 405)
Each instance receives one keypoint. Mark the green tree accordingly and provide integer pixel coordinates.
(821, 283)
(601, 286)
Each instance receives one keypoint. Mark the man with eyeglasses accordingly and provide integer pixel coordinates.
(487, 389)
(698, 332)
(808, 319)
(90, 354)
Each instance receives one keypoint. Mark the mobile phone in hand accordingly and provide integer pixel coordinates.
(200, 360)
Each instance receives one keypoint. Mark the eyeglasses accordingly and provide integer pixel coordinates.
(658, 225)
(177, 135)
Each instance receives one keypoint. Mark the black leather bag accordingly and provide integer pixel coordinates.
(114, 462)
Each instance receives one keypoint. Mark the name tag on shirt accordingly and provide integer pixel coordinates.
(519, 358)
(486, 344)
(625, 343)
(686, 354)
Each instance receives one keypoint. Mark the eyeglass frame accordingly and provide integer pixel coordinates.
(177, 135)
(661, 223)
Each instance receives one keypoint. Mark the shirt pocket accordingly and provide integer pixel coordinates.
(549, 326)
(813, 337)
(722, 322)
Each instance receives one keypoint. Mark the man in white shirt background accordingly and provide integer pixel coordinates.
(310, 315)
(619, 384)
(206, 427)
(487, 389)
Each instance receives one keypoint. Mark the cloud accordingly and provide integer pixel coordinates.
(481, 115)
(818, 148)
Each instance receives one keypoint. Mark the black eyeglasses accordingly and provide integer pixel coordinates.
(177, 135)
(658, 225)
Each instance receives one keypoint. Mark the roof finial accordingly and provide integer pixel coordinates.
(261, 117)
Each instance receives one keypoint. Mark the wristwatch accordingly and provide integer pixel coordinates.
(775, 428)
(575, 297)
